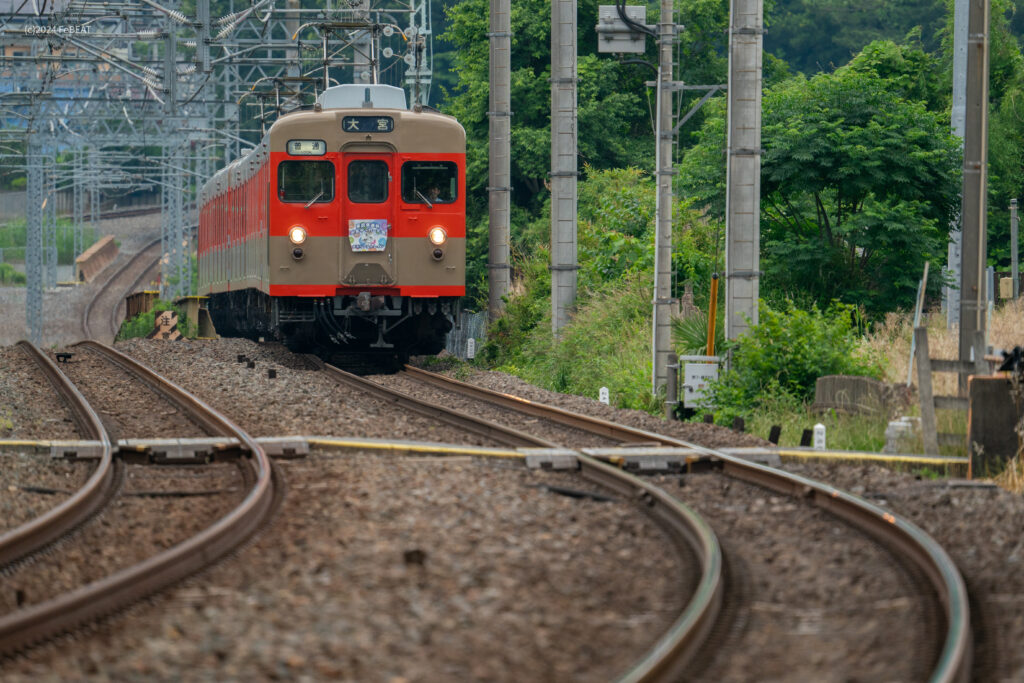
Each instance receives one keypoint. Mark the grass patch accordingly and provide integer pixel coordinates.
(14, 240)
(10, 276)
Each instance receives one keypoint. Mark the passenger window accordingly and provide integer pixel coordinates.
(435, 182)
(304, 181)
(368, 182)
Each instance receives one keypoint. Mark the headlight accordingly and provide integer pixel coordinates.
(297, 234)
(437, 235)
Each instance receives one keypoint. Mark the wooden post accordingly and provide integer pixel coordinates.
(924, 392)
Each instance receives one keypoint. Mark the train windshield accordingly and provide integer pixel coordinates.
(368, 182)
(434, 182)
(305, 181)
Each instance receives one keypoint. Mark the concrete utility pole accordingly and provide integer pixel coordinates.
(975, 169)
(563, 162)
(1014, 246)
(499, 175)
(743, 167)
(952, 294)
(662, 324)
(34, 243)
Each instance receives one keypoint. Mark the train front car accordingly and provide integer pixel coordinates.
(364, 249)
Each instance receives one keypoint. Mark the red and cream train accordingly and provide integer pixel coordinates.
(344, 229)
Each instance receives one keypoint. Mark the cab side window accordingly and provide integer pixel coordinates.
(304, 181)
(368, 182)
(434, 182)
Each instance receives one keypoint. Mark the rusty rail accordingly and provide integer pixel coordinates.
(51, 525)
(24, 627)
(902, 536)
(489, 430)
(87, 332)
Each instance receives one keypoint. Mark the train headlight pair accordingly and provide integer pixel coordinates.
(297, 234)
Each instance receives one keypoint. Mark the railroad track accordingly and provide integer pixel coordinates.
(43, 530)
(668, 658)
(25, 626)
(905, 540)
(100, 318)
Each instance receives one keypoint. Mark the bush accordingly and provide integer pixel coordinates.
(9, 276)
(779, 360)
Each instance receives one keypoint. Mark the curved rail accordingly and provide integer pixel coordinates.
(464, 421)
(906, 538)
(23, 627)
(36, 533)
(87, 313)
(668, 658)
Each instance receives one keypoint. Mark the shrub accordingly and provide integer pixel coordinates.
(780, 358)
(9, 276)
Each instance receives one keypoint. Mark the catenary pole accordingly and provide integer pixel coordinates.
(951, 294)
(499, 184)
(661, 323)
(563, 162)
(743, 174)
(973, 304)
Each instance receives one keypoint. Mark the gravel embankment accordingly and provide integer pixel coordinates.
(31, 484)
(128, 408)
(709, 436)
(527, 424)
(29, 405)
(63, 306)
(299, 401)
(980, 528)
(131, 529)
(812, 598)
(389, 568)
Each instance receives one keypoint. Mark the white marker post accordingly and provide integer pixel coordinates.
(602, 396)
(819, 437)
(470, 348)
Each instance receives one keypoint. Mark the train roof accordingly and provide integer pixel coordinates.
(417, 131)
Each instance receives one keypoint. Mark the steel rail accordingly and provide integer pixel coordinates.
(455, 418)
(31, 624)
(905, 538)
(87, 313)
(586, 423)
(667, 659)
(54, 523)
(115, 325)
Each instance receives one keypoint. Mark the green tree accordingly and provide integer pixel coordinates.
(820, 35)
(857, 188)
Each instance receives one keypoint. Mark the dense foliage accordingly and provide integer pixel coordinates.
(858, 184)
(780, 358)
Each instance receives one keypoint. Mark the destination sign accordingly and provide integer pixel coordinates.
(367, 124)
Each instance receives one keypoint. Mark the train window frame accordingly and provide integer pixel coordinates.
(321, 200)
(367, 162)
(434, 165)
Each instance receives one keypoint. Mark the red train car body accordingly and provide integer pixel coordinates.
(345, 228)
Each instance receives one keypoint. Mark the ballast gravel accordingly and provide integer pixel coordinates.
(29, 406)
(401, 568)
(707, 435)
(31, 484)
(135, 526)
(808, 598)
(979, 526)
(300, 400)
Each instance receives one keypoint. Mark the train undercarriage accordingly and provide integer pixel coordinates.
(362, 333)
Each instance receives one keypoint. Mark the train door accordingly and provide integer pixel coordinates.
(368, 246)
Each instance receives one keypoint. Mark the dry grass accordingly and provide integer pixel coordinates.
(889, 342)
